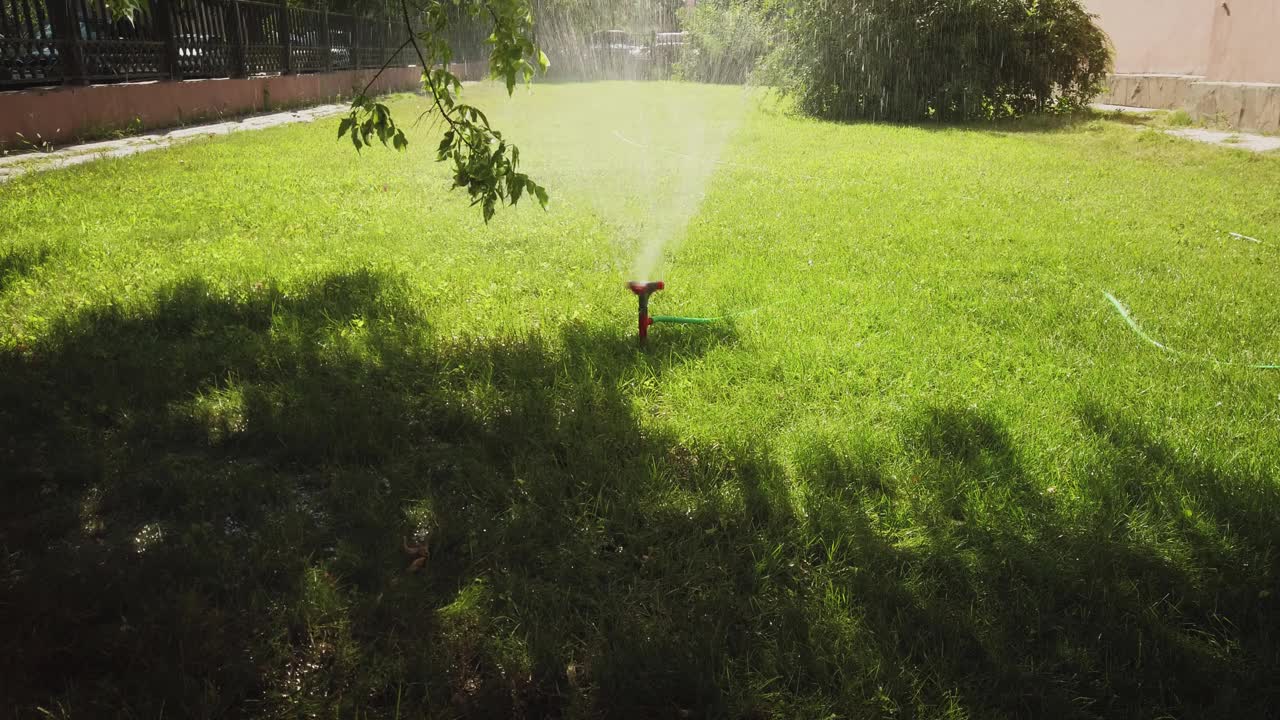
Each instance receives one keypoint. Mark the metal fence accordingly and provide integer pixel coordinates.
(48, 42)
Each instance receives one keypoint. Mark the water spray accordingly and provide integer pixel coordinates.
(642, 291)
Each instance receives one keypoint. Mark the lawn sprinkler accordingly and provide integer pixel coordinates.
(643, 290)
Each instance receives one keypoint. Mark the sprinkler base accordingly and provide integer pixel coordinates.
(642, 291)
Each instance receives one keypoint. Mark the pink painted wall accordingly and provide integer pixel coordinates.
(1245, 44)
(1158, 36)
(1223, 41)
(63, 114)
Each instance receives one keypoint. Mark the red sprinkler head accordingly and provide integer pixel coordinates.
(643, 290)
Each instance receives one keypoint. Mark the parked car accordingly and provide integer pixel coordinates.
(670, 39)
(616, 54)
(202, 55)
(617, 42)
(8, 60)
(666, 50)
(340, 48)
(42, 58)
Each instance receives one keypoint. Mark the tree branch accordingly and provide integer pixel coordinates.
(387, 64)
(426, 73)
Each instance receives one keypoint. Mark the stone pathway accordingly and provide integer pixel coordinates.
(11, 166)
(1127, 109)
(1241, 140)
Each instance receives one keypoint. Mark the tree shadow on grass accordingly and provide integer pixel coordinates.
(997, 599)
(1069, 122)
(21, 260)
(209, 499)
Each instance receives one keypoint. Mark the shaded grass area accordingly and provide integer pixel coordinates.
(934, 479)
(20, 260)
(211, 501)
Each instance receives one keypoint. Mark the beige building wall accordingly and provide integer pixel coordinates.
(1217, 59)
(1222, 41)
(1245, 42)
(1166, 37)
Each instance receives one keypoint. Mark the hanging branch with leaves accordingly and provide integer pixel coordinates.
(484, 162)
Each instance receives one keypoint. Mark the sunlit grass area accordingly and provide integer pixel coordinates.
(923, 469)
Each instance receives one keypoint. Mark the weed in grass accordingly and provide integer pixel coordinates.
(36, 143)
(20, 260)
(1179, 118)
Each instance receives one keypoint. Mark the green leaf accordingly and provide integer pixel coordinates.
(539, 192)
(478, 116)
(484, 163)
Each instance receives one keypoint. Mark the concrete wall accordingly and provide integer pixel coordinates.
(1217, 59)
(1231, 41)
(1245, 42)
(63, 114)
(1167, 37)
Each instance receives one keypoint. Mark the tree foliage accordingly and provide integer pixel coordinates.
(727, 39)
(910, 60)
(484, 163)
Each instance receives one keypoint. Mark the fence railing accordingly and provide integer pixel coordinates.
(48, 42)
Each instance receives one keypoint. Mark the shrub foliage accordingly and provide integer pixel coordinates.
(910, 60)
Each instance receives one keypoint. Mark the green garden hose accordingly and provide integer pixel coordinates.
(1137, 329)
(685, 320)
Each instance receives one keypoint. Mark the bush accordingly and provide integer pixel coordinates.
(910, 60)
(727, 39)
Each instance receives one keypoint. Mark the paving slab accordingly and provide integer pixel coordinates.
(1243, 141)
(1129, 109)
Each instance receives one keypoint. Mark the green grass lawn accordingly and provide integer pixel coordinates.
(932, 474)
